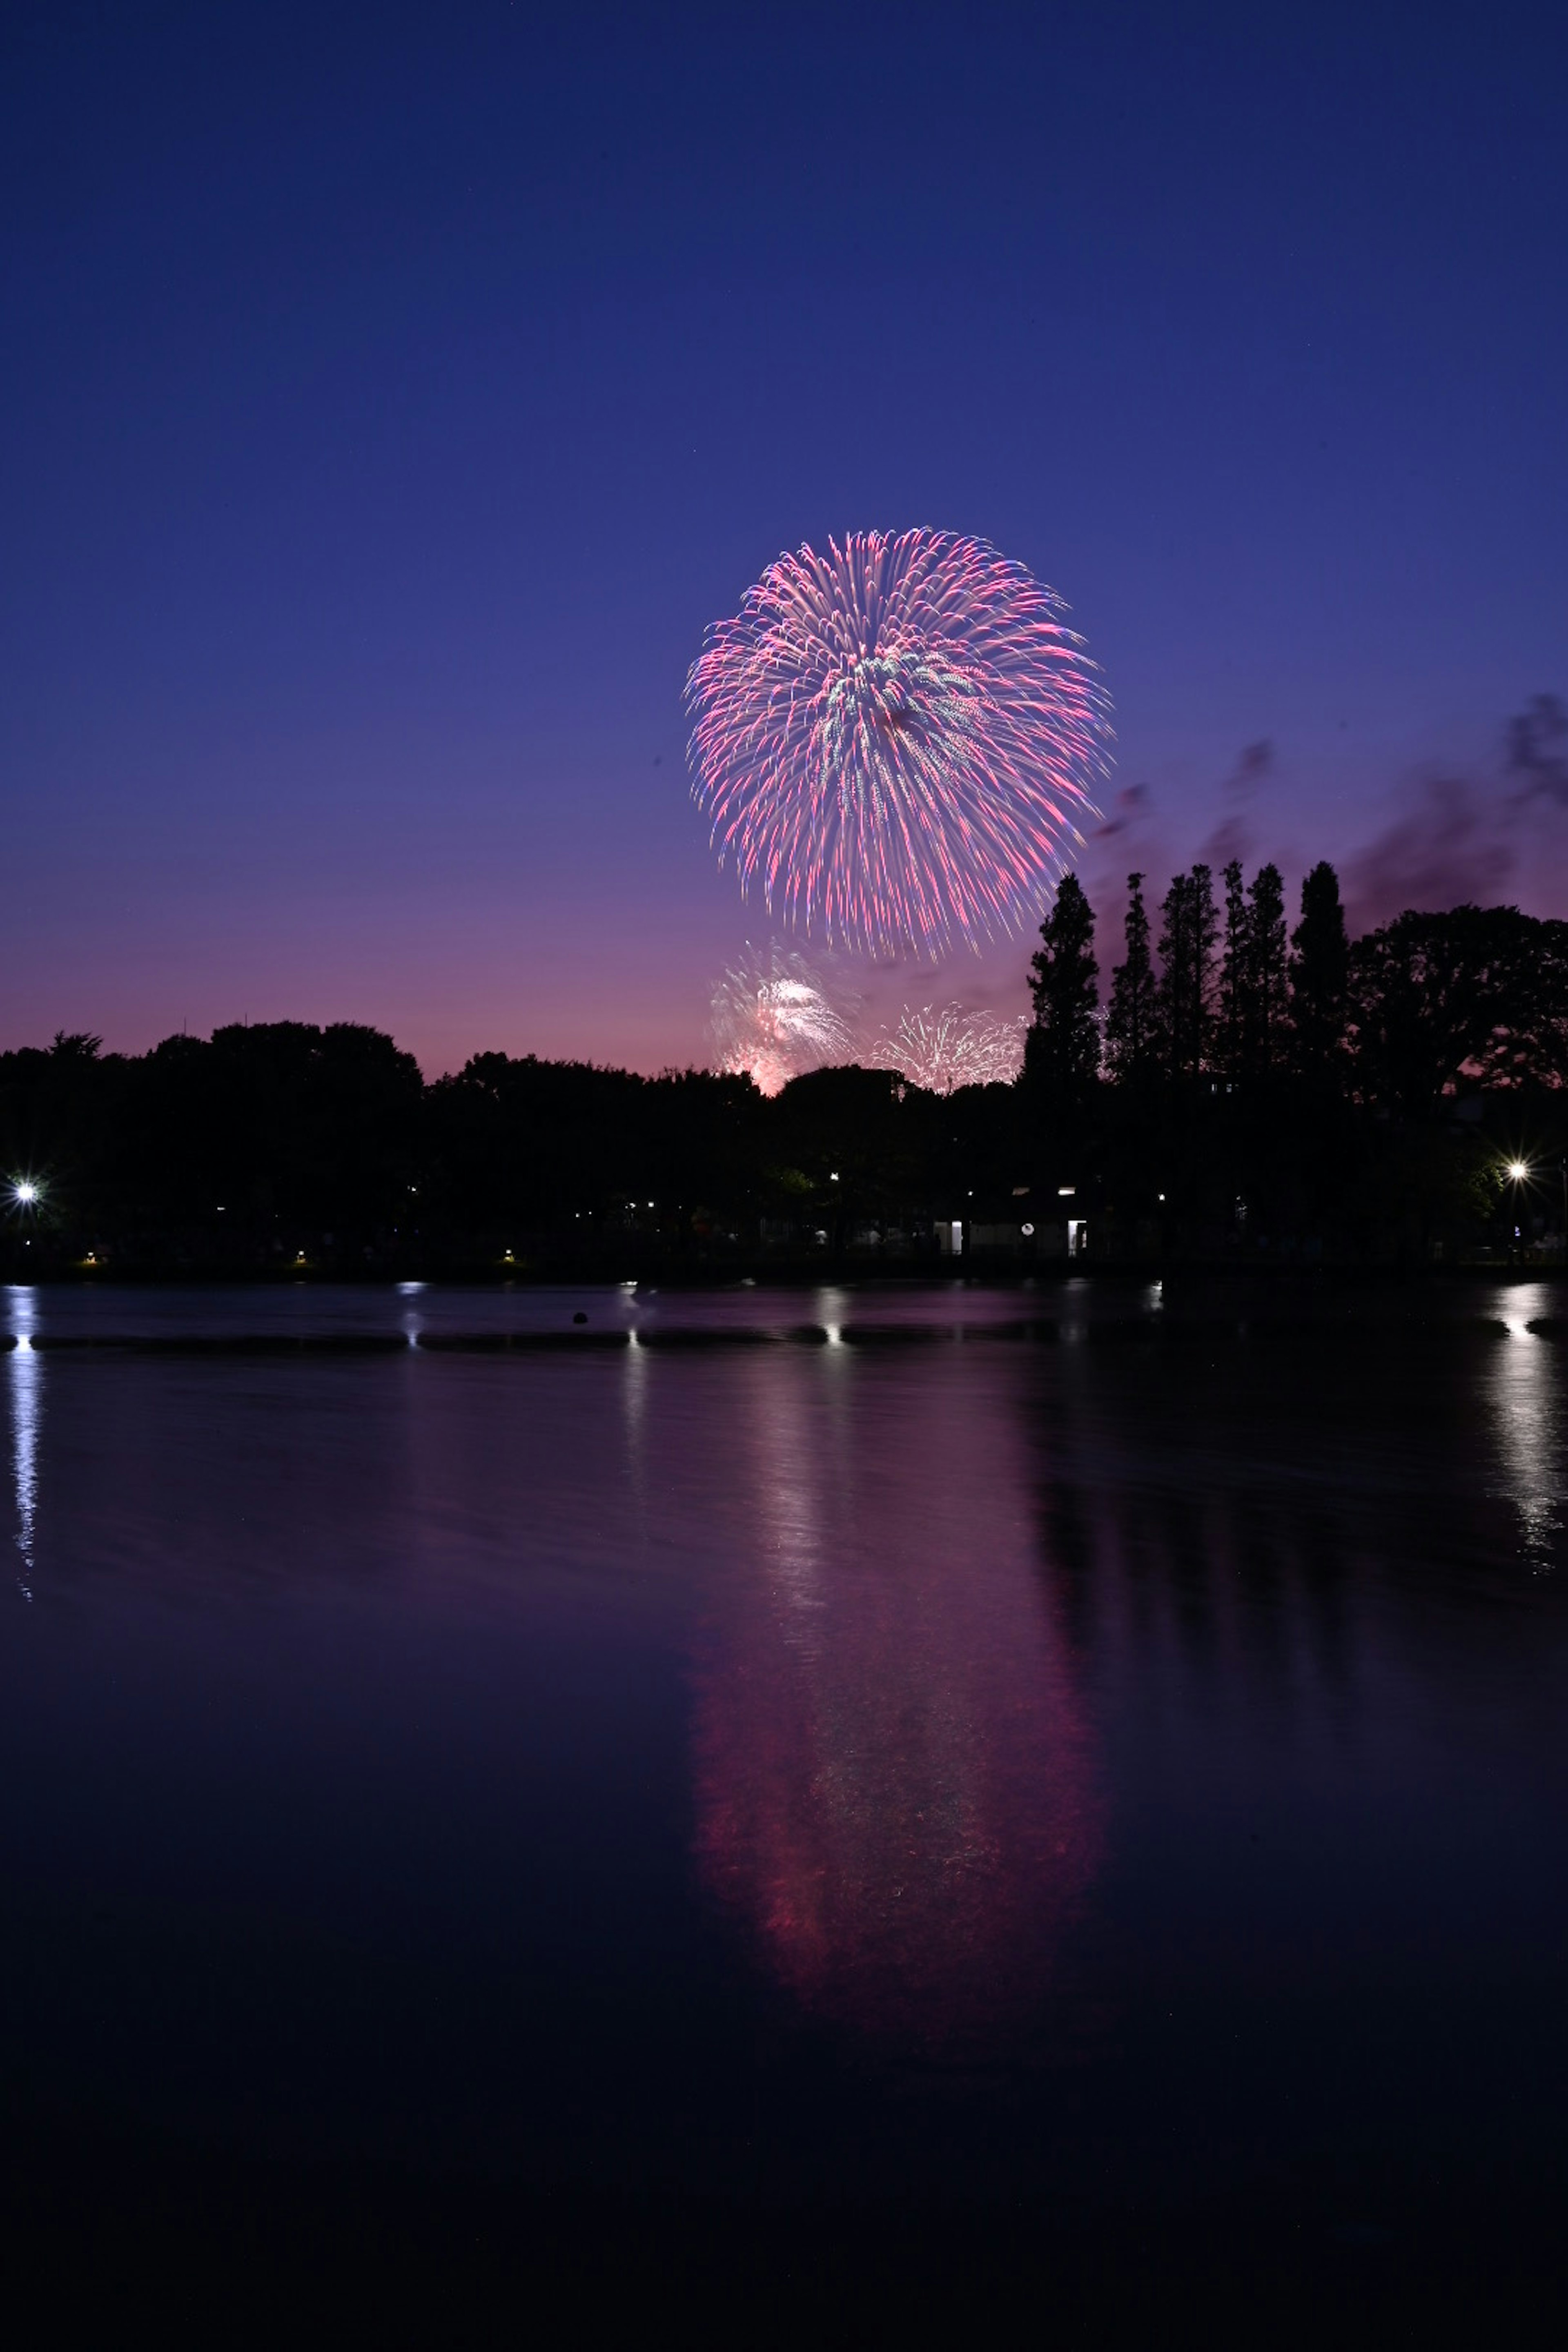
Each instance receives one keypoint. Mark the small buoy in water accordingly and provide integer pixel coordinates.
(579, 1317)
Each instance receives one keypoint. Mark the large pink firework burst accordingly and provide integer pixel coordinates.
(894, 741)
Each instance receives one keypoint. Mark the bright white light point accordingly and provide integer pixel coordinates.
(26, 1194)
(1518, 1170)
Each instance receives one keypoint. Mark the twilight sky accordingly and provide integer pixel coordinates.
(389, 395)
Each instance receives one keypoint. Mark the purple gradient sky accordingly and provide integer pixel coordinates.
(390, 395)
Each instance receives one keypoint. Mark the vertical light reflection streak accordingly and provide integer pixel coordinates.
(1526, 1407)
(634, 1406)
(27, 1413)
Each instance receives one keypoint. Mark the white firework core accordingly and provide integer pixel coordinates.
(943, 1050)
(774, 1018)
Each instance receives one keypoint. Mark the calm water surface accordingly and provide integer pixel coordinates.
(1091, 1745)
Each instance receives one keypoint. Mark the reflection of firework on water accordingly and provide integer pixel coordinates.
(895, 1787)
(894, 740)
(774, 1019)
(950, 1049)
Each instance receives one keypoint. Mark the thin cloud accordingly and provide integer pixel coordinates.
(1255, 763)
(1450, 849)
(1233, 837)
(1538, 750)
(1132, 803)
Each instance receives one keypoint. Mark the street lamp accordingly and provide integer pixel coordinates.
(1517, 1172)
(25, 1194)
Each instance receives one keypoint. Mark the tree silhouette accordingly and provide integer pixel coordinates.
(1319, 973)
(1265, 1027)
(1384, 1088)
(1133, 1017)
(1061, 1053)
(1186, 987)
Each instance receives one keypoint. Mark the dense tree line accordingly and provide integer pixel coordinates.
(1248, 1082)
(1248, 1087)
(1427, 1009)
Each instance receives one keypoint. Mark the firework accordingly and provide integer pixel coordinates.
(774, 1018)
(950, 1049)
(893, 741)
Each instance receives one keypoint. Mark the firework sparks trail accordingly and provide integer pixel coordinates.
(774, 1018)
(893, 741)
(950, 1049)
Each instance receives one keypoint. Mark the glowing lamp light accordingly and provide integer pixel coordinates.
(25, 1193)
(1519, 1170)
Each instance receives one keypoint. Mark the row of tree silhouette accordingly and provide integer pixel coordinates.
(1247, 1082)
(1414, 1011)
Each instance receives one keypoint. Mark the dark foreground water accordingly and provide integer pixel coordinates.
(807, 1807)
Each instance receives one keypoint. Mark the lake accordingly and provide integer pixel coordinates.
(791, 1796)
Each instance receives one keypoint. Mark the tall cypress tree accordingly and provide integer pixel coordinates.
(1186, 978)
(1061, 1052)
(1320, 972)
(1132, 1020)
(1234, 975)
(1254, 992)
(1268, 1025)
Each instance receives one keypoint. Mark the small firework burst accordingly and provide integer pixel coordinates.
(775, 1016)
(895, 740)
(947, 1049)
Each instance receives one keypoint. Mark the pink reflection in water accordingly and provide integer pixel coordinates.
(894, 1769)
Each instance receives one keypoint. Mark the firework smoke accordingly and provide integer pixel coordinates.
(894, 741)
(950, 1049)
(774, 1018)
